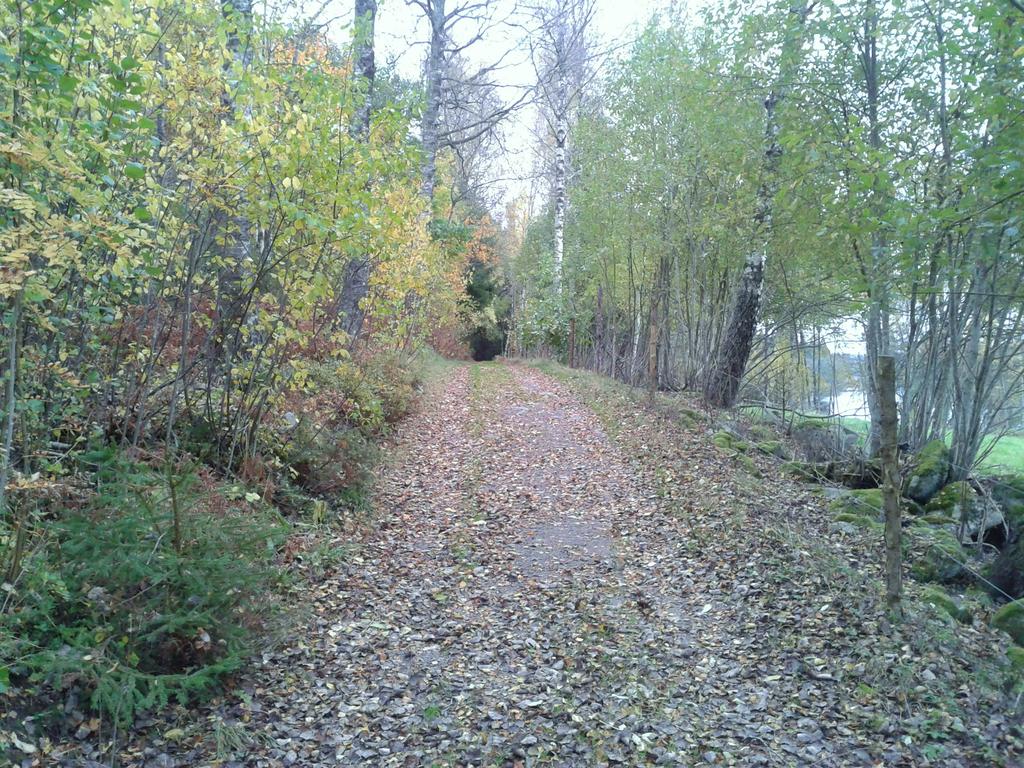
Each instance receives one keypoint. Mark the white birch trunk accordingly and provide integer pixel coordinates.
(561, 201)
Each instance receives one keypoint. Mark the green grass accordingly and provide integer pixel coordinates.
(431, 367)
(1006, 455)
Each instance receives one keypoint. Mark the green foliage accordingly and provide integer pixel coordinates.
(485, 312)
(326, 446)
(148, 593)
(177, 222)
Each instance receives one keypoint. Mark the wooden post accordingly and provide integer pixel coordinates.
(886, 388)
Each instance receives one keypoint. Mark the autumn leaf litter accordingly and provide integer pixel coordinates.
(532, 596)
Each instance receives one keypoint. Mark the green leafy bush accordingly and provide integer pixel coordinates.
(150, 592)
(394, 382)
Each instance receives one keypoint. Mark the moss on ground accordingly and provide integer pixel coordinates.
(727, 441)
(945, 602)
(774, 448)
(861, 521)
(1016, 656)
(866, 502)
(748, 464)
(1010, 619)
(760, 432)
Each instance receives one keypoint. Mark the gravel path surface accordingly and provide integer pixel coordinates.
(531, 597)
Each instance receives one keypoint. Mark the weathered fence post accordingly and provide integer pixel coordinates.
(886, 388)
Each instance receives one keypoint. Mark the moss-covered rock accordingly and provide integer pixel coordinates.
(1010, 619)
(866, 503)
(944, 601)
(930, 472)
(774, 448)
(935, 555)
(1008, 492)
(1016, 656)
(935, 520)
(952, 500)
(727, 441)
(1007, 571)
(960, 502)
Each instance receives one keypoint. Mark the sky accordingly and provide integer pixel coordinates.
(401, 39)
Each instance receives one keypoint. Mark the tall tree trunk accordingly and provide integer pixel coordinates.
(357, 272)
(561, 199)
(432, 111)
(885, 385)
(723, 384)
(876, 337)
(365, 65)
(235, 225)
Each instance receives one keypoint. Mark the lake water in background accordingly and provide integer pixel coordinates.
(850, 402)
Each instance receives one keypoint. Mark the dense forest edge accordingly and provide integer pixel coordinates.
(239, 247)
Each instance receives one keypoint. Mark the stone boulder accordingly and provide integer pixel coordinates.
(1007, 571)
(960, 502)
(1010, 619)
(863, 503)
(1008, 492)
(945, 602)
(935, 554)
(929, 472)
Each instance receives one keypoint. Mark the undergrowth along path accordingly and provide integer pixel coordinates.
(540, 593)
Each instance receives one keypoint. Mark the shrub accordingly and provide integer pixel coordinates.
(394, 382)
(150, 592)
(328, 461)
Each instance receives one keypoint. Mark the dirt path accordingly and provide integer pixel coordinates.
(528, 600)
(492, 620)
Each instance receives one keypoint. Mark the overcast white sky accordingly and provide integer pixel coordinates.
(401, 38)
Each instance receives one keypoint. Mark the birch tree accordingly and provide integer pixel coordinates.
(561, 57)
